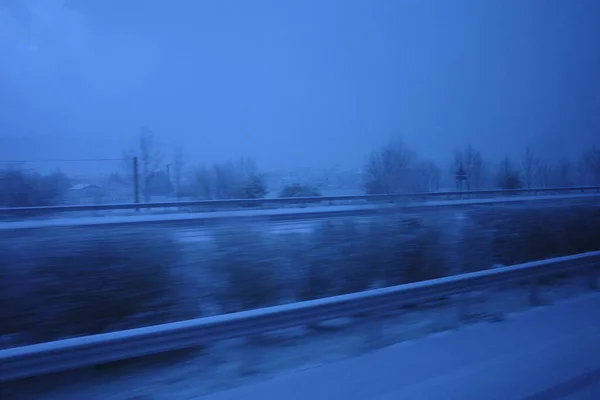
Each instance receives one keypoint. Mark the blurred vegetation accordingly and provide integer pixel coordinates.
(346, 256)
(244, 271)
(508, 175)
(63, 283)
(240, 179)
(522, 234)
(299, 190)
(22, 188)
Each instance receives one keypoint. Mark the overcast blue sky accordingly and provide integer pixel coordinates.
(299, 82)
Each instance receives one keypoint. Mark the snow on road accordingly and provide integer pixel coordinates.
(307, 213)
(533, 353)
(278, 355)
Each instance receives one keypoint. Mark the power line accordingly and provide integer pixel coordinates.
(64, 160)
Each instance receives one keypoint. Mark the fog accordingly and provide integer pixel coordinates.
(363, 174)
(298, 83)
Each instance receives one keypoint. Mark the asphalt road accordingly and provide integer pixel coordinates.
(283, 215)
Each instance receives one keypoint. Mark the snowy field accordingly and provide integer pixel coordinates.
(195, 373)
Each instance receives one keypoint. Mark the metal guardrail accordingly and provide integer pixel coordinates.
(207, 219)
(62, 355)
(19, 211)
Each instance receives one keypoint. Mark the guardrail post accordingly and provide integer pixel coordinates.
(534, 293)
(136, 182)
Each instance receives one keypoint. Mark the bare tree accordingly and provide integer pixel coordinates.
(388, 169)
(150, 158)
(583, 173)
(228, 180)
(543, 174)
(429, 177)
(473, 163)
(508, 176)
(530, 165)
(178, 167)
(591, 161)
(562, 174)
(149, 162)
(203, 182)
(23, 188)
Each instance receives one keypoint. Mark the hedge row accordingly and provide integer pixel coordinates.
(250, 269)
(70, 282)
(62, 283)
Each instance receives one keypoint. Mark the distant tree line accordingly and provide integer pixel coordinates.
(160, 175)
(22, 188)
(395, 168)
(299, 190)
(391, 168)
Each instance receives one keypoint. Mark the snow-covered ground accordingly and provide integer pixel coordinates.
(154, 217)
(302, 227)
(547, 353)
(226, 365)
(458, 217)
(192, 227)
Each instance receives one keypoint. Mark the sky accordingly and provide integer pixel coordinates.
(298, 82)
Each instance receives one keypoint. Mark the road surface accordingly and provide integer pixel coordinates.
(550, 352)
(195, 220)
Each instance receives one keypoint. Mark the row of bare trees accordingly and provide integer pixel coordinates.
(395, 168)
(562, 173)
(161, 175)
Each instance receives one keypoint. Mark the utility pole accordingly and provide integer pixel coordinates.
(168, 174)
(461, 176)
(136, 182)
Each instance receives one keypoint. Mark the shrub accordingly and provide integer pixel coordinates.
(19, 188)
(424, 255)
(63, 283)
(522, 234)
(474, 249)
(336, 263)
(299, 190)
(508, 176)
(348, 257)
(158, 184)
(582, 229)
(250, 269)
(254, 187)
(229, 180)
(245, 271)
(387, 169)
